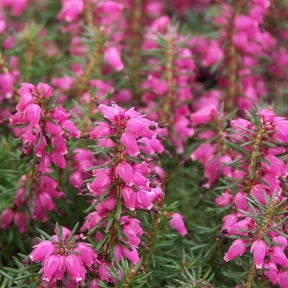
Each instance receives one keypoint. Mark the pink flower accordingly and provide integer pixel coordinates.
(17, 6)
(258, 249)
(108, 7)
(271, 272)
(33, 113)
(125, 172)
(50, 265)
(140, 126)
(229, 221)
(6, 87)
(2, 26)
(212, 53)
(6, 217)
(112, 57)
(76, 270)
(121, 251)
(283, 279)
(41, 250)
(56, 258)
(129, 197)
(236, 249)
(224, 200)
(20, 221)
(128, 140)
(159, 87)
(177, 223)
(70, 10)
(99, 184)
(278, 256)
(205, 114)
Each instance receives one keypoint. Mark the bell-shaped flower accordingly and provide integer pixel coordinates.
(112, 57)
(128, 140)
(125, 172)
(20, 220)
(278, 256)
(41, 250)
(237, 248)
(6, 217)
(99, 184)
(258, 249)
(271, 271)
(70, 10)
(177, 223)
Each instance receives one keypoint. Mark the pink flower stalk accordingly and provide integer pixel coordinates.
(41, 195)
(125, 177)
(42, 123)
(67, 256)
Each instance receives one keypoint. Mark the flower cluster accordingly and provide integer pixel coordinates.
(247, 42)
(63, 254)
(127, 175)
(39, 123)
(260, 173)
(177, 72)
(35, 195)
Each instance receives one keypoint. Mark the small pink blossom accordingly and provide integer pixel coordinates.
(237, 248)
(258, 249)
(177, 223)
(6, 217)
(56, 258)
(70, 10)
(112, 57)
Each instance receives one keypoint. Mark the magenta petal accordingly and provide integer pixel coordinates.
(128, 140)
(74, 267)
(112, 57)
(99, 184)
(236, 249)
(45, 89)
(33, 112)
(59, 144)
(20, 221)
(51, 265)
(6, 217)
(118, 252)
(258, 248)
(125, 172)
(131, 255)
(279, 257)
(129, 197)
(178, 224)
(87, 254)
(42, 250)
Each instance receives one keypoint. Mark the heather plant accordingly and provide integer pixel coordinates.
(143, 143)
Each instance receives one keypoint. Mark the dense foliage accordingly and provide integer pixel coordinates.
(143, 143)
